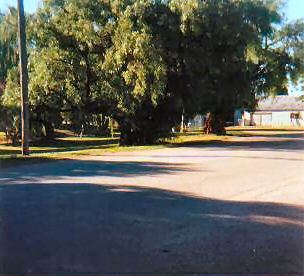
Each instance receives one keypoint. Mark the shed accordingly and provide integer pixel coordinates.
(279, 111)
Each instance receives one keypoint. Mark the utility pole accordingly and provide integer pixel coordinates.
(23, 78)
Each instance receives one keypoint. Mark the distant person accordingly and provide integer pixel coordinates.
(208, 123)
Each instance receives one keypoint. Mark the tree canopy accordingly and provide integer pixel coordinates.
(146, 63)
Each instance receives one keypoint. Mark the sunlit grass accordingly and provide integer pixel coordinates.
(2, 137)
(75, 147)
(196, 138)
(86, 139)
(62, 145)
(71, 147)
(116, 148)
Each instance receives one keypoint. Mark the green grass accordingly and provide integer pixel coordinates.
(62, 145)
(59, 148)
(2, 137)
(73, 147)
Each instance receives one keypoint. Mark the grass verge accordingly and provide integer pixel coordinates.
(74, 147)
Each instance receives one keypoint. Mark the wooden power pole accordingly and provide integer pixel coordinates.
(23, 78)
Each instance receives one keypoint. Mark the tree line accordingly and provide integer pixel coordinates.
(146, 63)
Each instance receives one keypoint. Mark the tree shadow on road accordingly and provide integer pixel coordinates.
(87, 228)
(86, 168)
(278, 142)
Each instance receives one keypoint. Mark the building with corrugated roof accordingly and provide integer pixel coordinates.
(278, 111)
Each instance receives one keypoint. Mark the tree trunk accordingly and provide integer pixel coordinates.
(219, 124)
(144, 133)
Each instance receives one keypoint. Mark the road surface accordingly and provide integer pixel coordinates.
(232, 208)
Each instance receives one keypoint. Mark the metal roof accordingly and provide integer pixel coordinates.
(280, 103)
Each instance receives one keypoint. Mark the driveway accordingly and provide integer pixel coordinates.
(236, 207)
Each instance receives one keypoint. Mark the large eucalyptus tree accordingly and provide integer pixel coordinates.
(145, 62)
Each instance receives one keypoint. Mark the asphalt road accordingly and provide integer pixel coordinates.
(232, 208)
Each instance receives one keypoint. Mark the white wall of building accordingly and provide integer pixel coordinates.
(246, 119)
(282, 118)
(272, 118)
